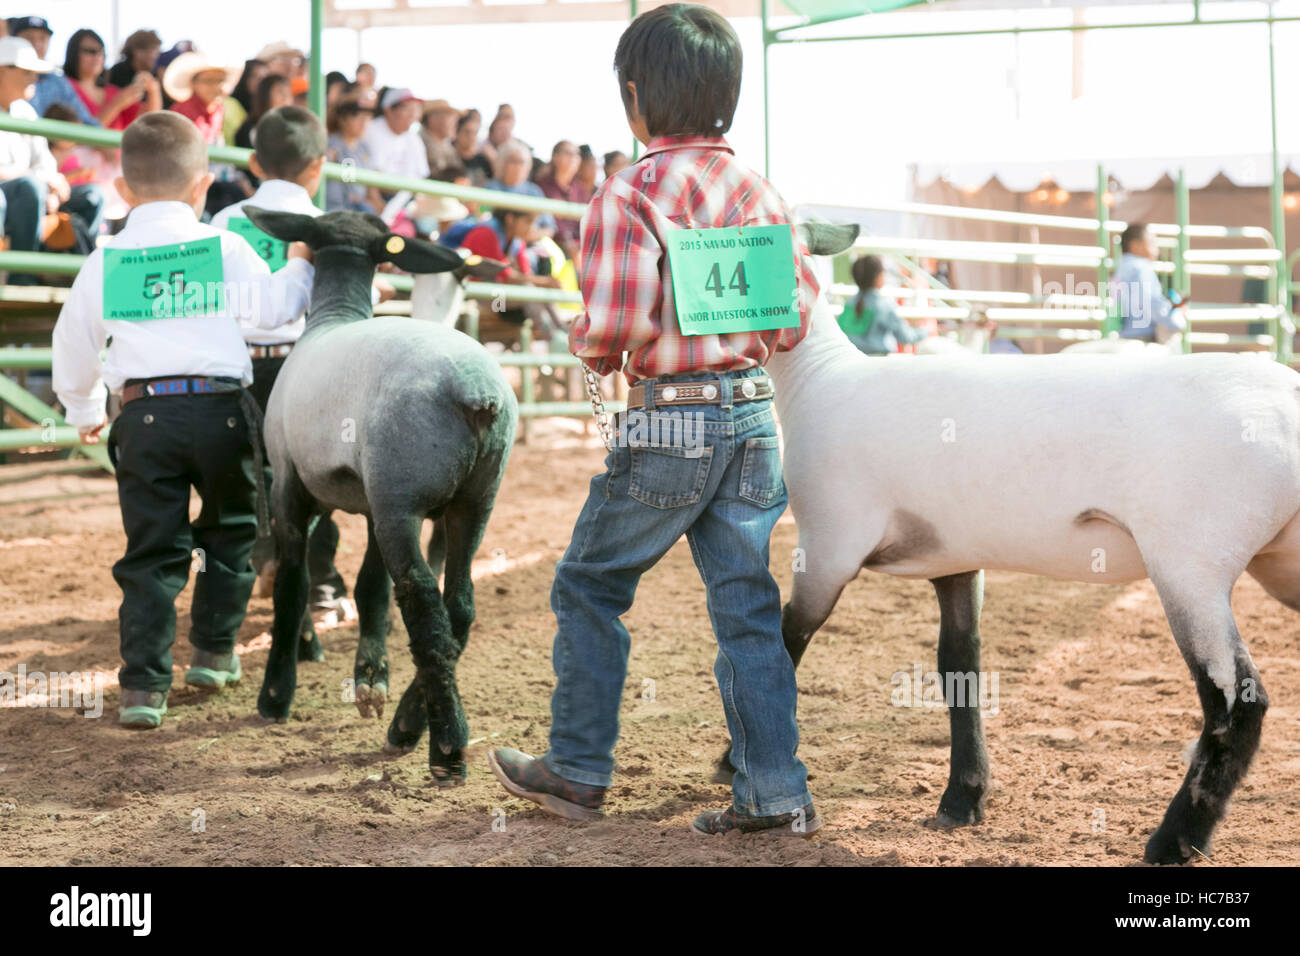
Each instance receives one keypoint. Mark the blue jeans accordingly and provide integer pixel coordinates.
(719, 483)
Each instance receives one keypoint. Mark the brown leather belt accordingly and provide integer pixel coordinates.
(190, 385)
(753, 389)
(269, 351)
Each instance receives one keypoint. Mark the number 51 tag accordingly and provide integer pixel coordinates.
(733, 279)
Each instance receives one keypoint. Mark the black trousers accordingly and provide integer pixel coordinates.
(162, 446)
(323, 540)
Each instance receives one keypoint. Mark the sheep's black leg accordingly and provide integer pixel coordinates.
(1233, 702)
(437, 553)
(373, 593)
(960, 599)
(309, 648)
(432, 645)
(292, 508)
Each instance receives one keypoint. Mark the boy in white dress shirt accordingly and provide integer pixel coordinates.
(171, 294)
(289, 160)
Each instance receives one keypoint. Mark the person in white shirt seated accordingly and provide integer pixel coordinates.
(171, 293)
(394, 140)
(288, 161)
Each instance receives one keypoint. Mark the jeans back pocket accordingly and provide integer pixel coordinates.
(669, 476)
(760, 471)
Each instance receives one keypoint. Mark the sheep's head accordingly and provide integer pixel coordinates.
(362, 231)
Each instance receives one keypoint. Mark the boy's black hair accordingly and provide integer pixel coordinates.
(866, 269)
(288, 140)
(685, 60)
(162, 152)
(1131, 234)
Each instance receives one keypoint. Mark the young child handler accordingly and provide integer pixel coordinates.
(288, 162)
(171, 293)
(691, 269)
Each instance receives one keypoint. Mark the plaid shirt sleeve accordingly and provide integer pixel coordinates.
(621, 282)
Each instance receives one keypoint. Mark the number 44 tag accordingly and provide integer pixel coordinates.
(733, 279)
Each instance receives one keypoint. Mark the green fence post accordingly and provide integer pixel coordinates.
(526, 396)
(1112, 322)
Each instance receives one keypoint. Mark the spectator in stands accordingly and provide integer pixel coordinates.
(514, 163)
(347, 126)
(1146, 312)
(273, 91)
(870, 320)
(395, 145)
(437, 130)
(615, 161)
(283, 59)
(199, 86)
(166, 59)
(365, 77)
(240, 102)
(336, 86)
(587, 169)
(52, 87)
(476, 162)
(560, 181)
(83, 165)
(114, 107)
(30, 182)
(139, 53)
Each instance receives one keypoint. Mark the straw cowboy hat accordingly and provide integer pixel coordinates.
(440, 208)
(178, 79)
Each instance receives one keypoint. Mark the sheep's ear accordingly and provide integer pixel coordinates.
(414, 255)
(289, 226)
(827, 238)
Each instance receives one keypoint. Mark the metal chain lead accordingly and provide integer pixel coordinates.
(598, 407)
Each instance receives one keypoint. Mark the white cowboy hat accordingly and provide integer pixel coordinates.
(178, 78)
(440, 208)
(15, 51)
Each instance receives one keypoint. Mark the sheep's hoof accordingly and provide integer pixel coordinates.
(959, 812)
(370, 700)
(403, 738)
(309, 648)
(1169, 848)
(274, 707)
(448, 770)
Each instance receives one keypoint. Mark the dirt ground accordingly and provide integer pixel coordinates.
(1095, 707)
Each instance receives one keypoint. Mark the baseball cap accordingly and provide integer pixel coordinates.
(395, 96)
(15, 51)
(19, 24)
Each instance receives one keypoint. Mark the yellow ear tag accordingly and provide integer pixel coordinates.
(473, 260)
(395, 244)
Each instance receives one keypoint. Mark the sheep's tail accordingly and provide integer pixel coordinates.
(484, 407)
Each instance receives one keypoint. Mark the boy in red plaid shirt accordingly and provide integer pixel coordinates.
(693, 270)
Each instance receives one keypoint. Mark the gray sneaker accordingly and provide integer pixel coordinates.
(142, 708)
(213, 671)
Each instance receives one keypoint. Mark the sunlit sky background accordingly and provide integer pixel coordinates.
(847, 118)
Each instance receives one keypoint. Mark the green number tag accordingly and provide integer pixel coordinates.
(733, 279)
(274, 251)
(184, 280)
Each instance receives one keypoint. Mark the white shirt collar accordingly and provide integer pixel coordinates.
(161, 211)
(282, 193)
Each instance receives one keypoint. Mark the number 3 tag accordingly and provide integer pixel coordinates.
(733, 279)
(274, 251)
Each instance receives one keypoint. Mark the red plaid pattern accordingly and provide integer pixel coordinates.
(627, 286)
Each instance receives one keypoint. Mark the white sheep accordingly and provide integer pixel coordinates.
(1185, 470)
